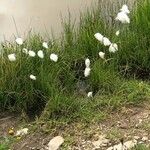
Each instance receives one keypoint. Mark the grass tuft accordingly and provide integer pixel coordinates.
(60, 90)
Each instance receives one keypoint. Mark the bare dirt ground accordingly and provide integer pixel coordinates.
(127, 124)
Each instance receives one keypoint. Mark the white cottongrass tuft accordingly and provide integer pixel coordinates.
(123, 17)
(125, 9)
(25, 51)
(19, 41)
(102, 55)
(102, 39)
(113, 48)
(45, 45)
(90, 94)
(117, 33)
(99, 37)
(12, 57)
(32, 77)
(87, 63)
(40, 54)
(31, 53)
(106, 41)
(87, 72)
(54, 57)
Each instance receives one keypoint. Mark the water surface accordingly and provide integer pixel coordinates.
(40, 15)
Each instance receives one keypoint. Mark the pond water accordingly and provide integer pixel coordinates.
(38, 15)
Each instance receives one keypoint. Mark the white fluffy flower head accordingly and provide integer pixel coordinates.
(123, 17)
(87, 71)
(31, 53)
(99, 37)
(54, 57)
(125, 9)
(90, 94)
(106, 41)
(45, 45)
(19, 41)
(40, 54)
(12, 57)
(113, 48)
(25, 51)
(87, 63)
(32, 77)
(102, 55)
(117, 33)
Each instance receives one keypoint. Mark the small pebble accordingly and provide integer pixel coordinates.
(104, 144)
(145, 139)
(136, 137)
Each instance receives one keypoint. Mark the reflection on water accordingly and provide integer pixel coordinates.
(36, 14)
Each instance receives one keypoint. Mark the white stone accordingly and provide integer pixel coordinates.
(102, 141)
(22, 132)
(126, 146)
(144, 139)
(55, 143)
(136, 137)
(130, 144)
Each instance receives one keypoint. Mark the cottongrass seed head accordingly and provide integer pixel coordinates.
(32, 77)
(87, 63)
(40, 54)
(12, 57)
(31, 53)
(99, 37)
(25, 51)
(90, 94)
(102, 55)
(19, 41)
(45, 45)
(113, 48)
(54, 57)
(87, 71)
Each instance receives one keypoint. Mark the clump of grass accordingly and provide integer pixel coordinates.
(5, 143)
(3, 147)
(141, 147)
(133, 56)
(114, 134)
(57, 91)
